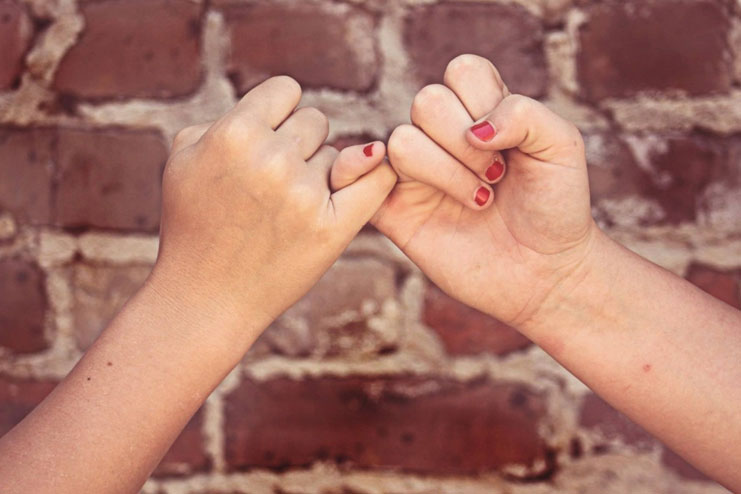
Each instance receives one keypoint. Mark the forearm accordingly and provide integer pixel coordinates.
(657, 348)
(107, 425)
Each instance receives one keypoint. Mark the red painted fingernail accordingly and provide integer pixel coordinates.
(368, 150)
(494, 171)
(484, 131)
(482, 195)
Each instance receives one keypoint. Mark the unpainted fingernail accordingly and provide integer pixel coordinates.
(482, 196)
(368, 150)
(485, 131)
(494, 171)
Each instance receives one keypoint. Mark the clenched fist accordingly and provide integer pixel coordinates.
(249, 223)
(500, 242)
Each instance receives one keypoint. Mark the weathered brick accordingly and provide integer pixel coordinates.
(654, 45)
(413, 424)
(598, 415)
(26, 172)
(319, 45)
(134, 48)
(722, 285)
(16, 31)
(18, 397)
(508, 35)
(332, 318)
(110, 179)
(22, 306)
(674, 174)
(466, 331)
(187, 454)
(99, 292)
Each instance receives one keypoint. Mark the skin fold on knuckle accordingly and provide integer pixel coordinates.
(426, 101)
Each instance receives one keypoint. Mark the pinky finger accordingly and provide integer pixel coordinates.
(355, 161)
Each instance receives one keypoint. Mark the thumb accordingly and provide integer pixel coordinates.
(358, 202)
(528, 125)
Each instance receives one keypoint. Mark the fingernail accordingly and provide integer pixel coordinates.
(484, 131)
(368, 150)
(482, 196)
(494, 171)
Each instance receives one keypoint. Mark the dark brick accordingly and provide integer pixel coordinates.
(722, 285)
(508, 35)
(22, 306)
(187, 454)
(16, 31)
(26, 172)
(466, 331)
(682, 171)
(18, 397)
(134, 48)
(412, 424)
(654, 45)
(109, 179)
(317, 45)
(596, 414)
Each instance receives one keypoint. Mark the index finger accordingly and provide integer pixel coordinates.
(477, 84)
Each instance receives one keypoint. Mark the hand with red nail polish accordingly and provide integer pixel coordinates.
(493, 199)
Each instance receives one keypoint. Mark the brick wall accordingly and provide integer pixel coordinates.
(376, 382)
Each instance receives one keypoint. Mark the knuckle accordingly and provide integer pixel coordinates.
(286, 84)
(463, 65)
(428, 97)
(400, 140)
(232, 134)
(317, 116)
(520, 105)
(182, 136)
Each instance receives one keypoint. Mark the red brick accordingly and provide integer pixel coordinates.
(654, 45)
(22, 306)
(681, 173)
(187, 454)
(318, 45)
(134, 48)
(412, 424)
(598, 415)
(15, 35)
(109, 179)
(507, 35)
(466, 331)
(18, 397)
(26, 172)
(722, 285)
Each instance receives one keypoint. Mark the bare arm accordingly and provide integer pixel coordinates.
(249, 225)
(654, 346)
(493, 205)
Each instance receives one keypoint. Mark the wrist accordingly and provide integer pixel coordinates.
(204, 307)
(581, 297)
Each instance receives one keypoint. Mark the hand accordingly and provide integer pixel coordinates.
(502, 251)
(249, 223)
